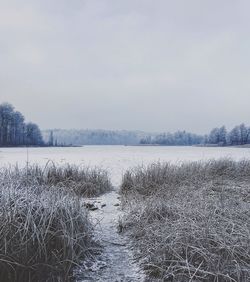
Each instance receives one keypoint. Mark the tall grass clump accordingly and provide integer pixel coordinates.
(191, 221)
(45, 231)
(84, 181)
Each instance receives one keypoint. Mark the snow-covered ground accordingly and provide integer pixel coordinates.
(116, 159)
(116, 261)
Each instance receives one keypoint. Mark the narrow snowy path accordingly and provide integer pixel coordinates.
(115, 264)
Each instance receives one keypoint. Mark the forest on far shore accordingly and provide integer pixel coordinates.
(239, 135)
(220, 136)
(14, 131)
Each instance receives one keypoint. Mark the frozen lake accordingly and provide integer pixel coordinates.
(116, 261)
(116, 159)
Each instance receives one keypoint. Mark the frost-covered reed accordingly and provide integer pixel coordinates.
(84, 181)
(190, 222)
(44, 228)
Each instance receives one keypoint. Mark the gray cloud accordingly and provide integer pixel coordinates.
(134, 64)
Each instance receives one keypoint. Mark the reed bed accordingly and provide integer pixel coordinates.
(45, 231)
(191, 221)
(84, 181)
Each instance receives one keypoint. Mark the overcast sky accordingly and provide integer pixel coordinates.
(154, 65)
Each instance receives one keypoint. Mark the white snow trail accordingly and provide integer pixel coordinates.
(115, 263)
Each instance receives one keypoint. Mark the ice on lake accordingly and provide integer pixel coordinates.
(116, 159)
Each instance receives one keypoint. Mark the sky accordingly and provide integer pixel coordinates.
(152, 65)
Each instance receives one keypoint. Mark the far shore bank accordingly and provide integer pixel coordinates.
(198, 145)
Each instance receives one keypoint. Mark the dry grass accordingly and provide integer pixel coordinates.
(84, 181)
(190, 222)
(44, 228)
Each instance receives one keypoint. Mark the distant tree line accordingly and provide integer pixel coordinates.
(239, 135)
(219, 136)
(179, 138)
(14, 131)
(65, 137)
